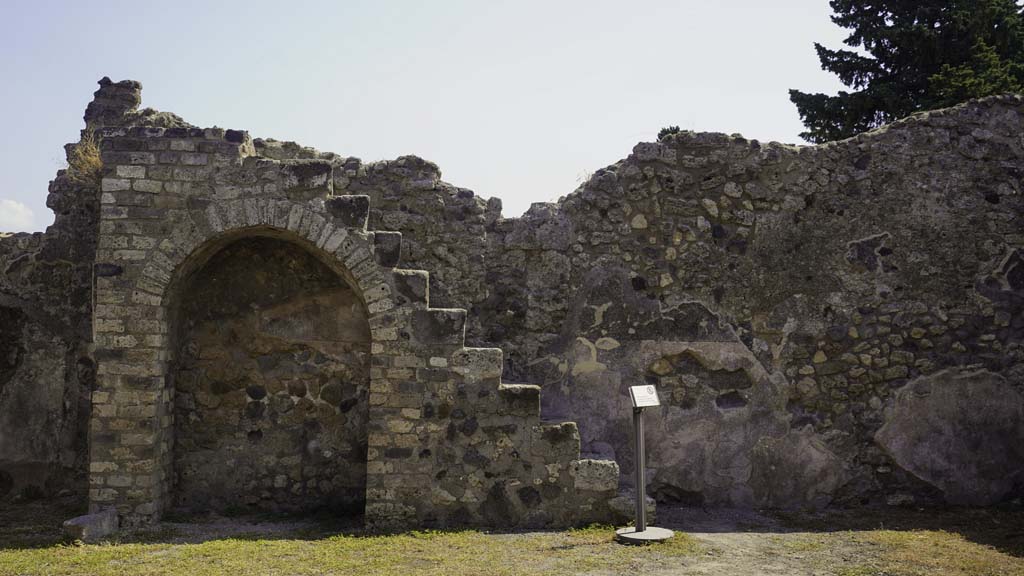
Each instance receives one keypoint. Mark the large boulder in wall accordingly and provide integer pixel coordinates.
(960, 431)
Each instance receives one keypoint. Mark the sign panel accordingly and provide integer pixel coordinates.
(644, 396)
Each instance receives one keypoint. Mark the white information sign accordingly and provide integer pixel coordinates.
(644, 396)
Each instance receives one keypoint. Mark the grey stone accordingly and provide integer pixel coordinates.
(92, 527)
(962, 431)
(623, 507)
(795, 471)
(777, 296)
(596, 475)
(351, 211)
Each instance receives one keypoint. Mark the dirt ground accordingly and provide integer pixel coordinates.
(864, 542)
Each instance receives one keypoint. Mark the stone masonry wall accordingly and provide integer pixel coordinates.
(46, 370)
(838, 324)
(271, 385)
(448, 443)
(786, 300)
(46, 373)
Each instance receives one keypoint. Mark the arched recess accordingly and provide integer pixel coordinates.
(132, 426)
(269, 359)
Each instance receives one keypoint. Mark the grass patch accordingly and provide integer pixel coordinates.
(410, 554)
(968, 543)
(804, 544)
(85, 167)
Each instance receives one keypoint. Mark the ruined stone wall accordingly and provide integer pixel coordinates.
(45, 324)
(46, 369)
(448, 443)
(787, 301)
(838, 324)
(45, 372)
(448, 227)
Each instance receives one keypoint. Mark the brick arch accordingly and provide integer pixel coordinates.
(335, 260)
(237, 427)
(346, 249)
(132, 430)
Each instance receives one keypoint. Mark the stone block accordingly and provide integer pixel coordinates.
(477, 364)
(92, 527)
(595, 475)
(623, 507)
(519, 399)
(412, 287)
(377, 293)
(796, 471)
(311, 227)
(194, 159)
(182, 145)
(147, 186)
(380, 306)
(124, 171)
(115, 184)
(439, 327)
(350, 211)
(303, 175)
(960, 431)
(335, 239)
(557, 442)
(387, 248)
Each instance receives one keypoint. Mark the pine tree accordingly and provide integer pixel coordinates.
(913, 55)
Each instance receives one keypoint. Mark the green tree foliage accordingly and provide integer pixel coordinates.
(913, 55)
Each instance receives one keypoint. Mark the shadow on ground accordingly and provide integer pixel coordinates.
(1000, 527)
(37, 524)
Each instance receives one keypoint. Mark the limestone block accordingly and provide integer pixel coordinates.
(412, 286)
(92, 527)
(443, 327)
(350, 211)
(387, 248)
(301, 175)
(147, 186)
(595, 475)
(131, 171)
(115, 184)
(477, 364)
(520, 399)
(557, 442)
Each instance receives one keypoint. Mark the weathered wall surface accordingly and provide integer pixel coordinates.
(46, 371)
(829, 278)
(45, 324)
(803, 310)
(271, 384)
(781, 297)
(448, 443)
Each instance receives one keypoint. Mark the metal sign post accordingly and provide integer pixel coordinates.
(641, 481)
(640, 533)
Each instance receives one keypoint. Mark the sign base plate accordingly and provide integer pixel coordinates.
(629, 535)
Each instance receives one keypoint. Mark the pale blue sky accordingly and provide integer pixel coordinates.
(517, 100)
